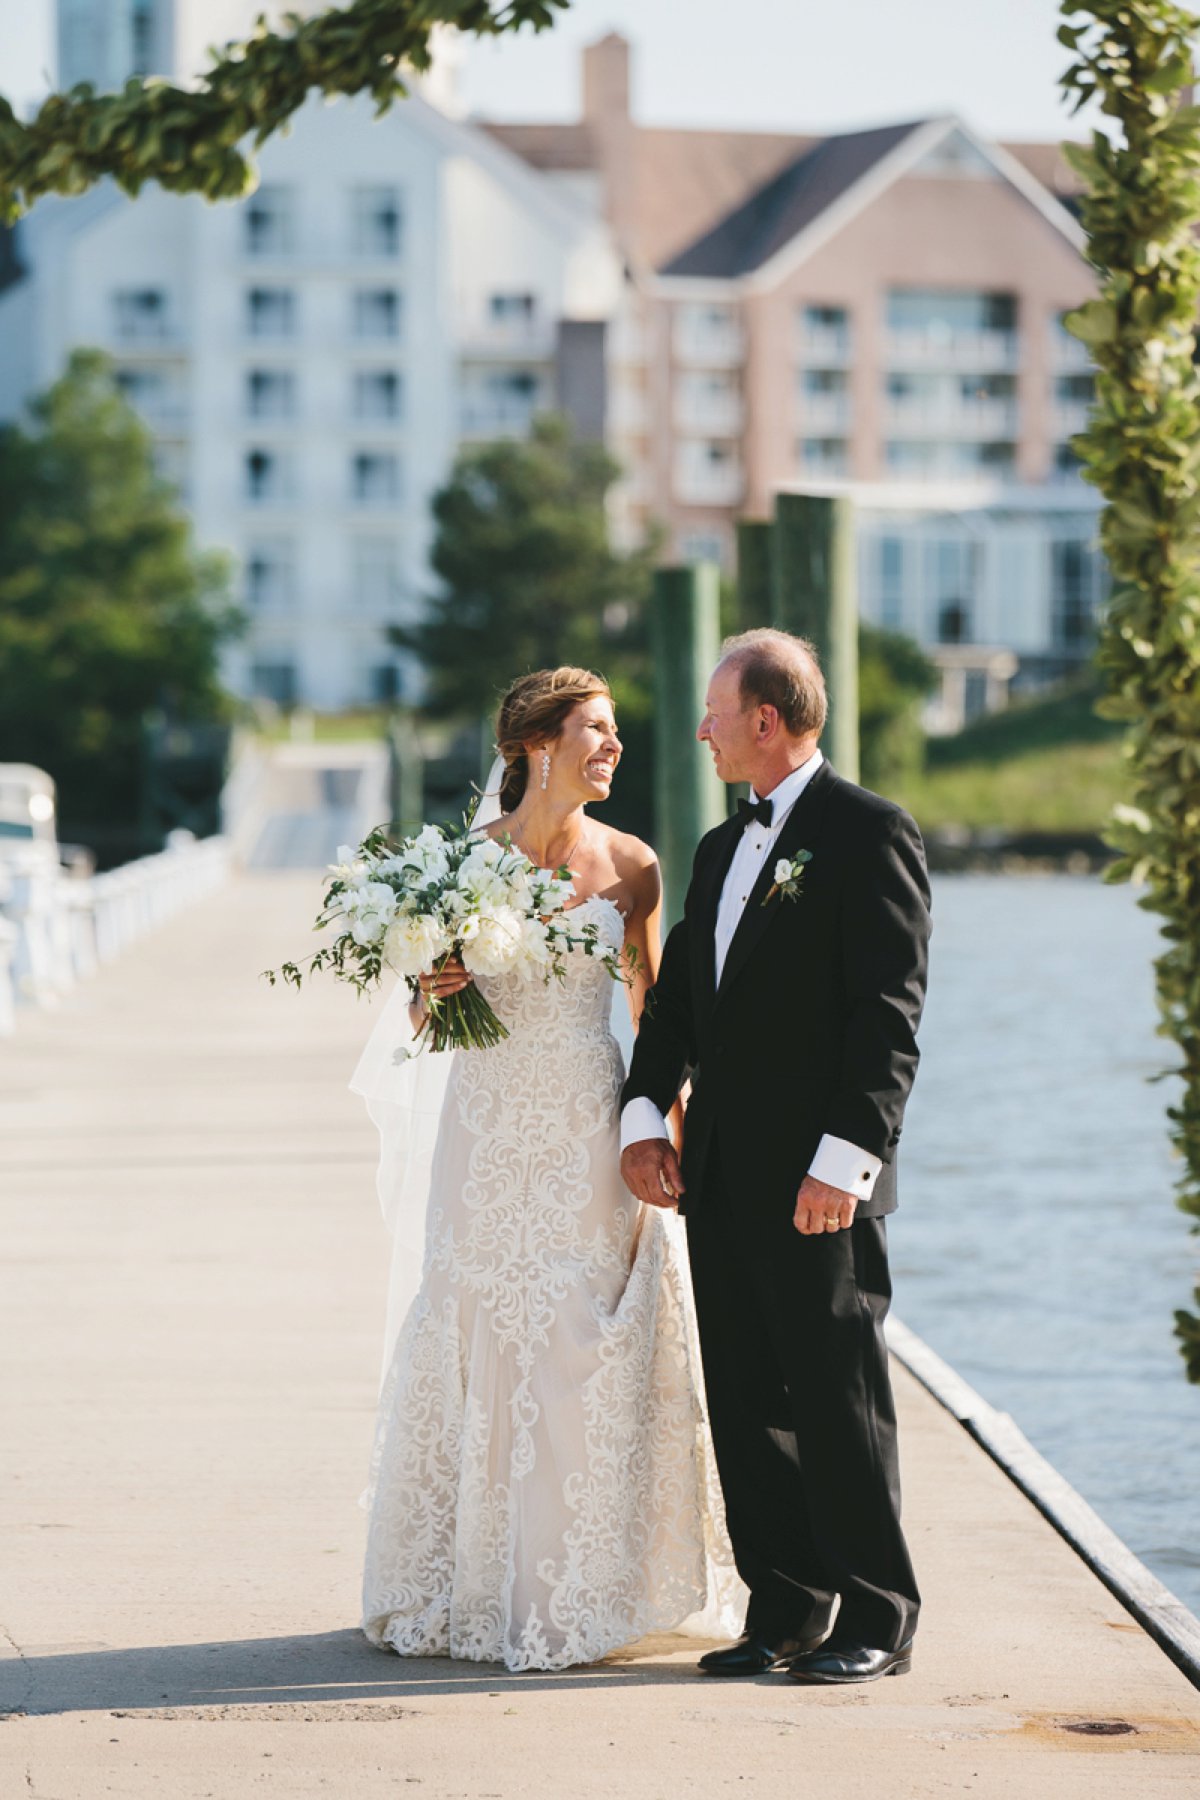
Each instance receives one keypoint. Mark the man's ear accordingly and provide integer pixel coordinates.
(768, 722)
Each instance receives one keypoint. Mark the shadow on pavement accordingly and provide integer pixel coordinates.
(289, 1672)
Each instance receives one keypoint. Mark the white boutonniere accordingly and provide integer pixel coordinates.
(789, 876)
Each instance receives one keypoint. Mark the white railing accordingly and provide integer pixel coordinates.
(708, 484)
(707, 343)
(709, 415)
(950, 419)
(824, 414)
(981, 351)
(823, 347)
(57, 928)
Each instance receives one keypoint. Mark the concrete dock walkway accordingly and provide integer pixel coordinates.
(192, 1294)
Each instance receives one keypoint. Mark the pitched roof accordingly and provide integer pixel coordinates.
(746, 237)
(684, 185)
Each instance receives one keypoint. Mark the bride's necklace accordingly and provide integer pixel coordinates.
(523, 843)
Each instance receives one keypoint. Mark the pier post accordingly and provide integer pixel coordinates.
(685, 642)
(755, 554)
(815, 594)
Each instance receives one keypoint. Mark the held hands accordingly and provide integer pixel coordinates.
(650, 1169)
(821, 1208)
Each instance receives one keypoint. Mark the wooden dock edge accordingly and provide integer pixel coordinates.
(1157, 1610)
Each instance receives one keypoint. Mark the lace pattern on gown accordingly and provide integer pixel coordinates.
(541, 1487)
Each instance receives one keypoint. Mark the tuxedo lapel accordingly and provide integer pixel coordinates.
(757, 915)
(708, 901)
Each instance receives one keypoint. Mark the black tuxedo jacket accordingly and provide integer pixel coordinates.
(813, 1026)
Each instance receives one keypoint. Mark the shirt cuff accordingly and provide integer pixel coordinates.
(641, 1119)
(839, 1163)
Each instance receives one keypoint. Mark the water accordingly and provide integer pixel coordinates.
(1038, 1248)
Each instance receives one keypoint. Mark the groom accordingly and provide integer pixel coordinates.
(791, 999)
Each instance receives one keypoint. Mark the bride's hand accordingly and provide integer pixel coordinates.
(448, 978)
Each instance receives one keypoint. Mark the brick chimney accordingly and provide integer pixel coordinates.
(606, 81)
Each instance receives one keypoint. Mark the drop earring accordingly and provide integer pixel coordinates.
(545, 769)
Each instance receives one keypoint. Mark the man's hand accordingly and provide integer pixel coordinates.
(819, 1208)
(650, 1169)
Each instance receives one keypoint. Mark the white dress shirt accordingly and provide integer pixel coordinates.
(837, 1161)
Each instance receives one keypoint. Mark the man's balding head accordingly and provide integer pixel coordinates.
(776, 669)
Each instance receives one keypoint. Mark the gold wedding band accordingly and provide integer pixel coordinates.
(832, 1219)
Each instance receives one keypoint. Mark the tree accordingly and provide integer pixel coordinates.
(528, 576)
(106, 611)
(189, 139)
(1142, 450)
(894, 677)
(529, 581)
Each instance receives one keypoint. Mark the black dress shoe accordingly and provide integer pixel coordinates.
(835, 1664)
(756, 1653)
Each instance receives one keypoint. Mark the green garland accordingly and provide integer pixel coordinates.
(1142, 450)
(188, 139)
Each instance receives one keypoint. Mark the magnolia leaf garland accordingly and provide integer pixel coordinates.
(1142, 450)
(191, 139)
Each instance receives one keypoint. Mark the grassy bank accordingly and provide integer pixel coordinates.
(1044, 765)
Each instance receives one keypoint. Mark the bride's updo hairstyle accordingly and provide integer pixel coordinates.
(534, 711)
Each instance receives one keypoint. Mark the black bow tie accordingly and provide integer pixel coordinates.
(759, 812)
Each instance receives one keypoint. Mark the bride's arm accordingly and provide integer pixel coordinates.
(643, 936)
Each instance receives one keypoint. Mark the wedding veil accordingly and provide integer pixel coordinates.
(404, 1096)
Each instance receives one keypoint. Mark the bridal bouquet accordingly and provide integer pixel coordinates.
(413, 905)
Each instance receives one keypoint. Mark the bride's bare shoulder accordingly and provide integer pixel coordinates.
(635, 866)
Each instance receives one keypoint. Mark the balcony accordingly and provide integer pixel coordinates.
(1070, 417)
(1067, 352)
(708, 343)
(700, 481)
(824, 415)
(818, 349)
(982, 351)
(709, 415)
(969, 419)
(499, 417)
(501, 340)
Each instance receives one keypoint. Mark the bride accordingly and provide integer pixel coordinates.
(540, 1493)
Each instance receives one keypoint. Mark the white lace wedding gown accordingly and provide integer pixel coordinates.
(541, 1490)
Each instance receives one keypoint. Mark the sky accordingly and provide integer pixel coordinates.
(793, 64)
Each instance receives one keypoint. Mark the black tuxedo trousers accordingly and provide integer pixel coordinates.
(811, 1031)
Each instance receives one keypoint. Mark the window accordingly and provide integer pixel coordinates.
(267, 476)
(702, 546)
(267, 223)
(951, 571)
(824, 381)
(377, 394)
(1066, 464)
(271, 312)
(274, 681)
(1072, 593)
(145, 389)
(891, 583)
(271, 574)
(377, 221)
(1075, 390)
(948, 312)
(385, 683)
(141, 314)
(377, 313)
(375, 477)
(142, 32)
(376, 574)
(823, 455)
(818, 319)
(270, 393)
